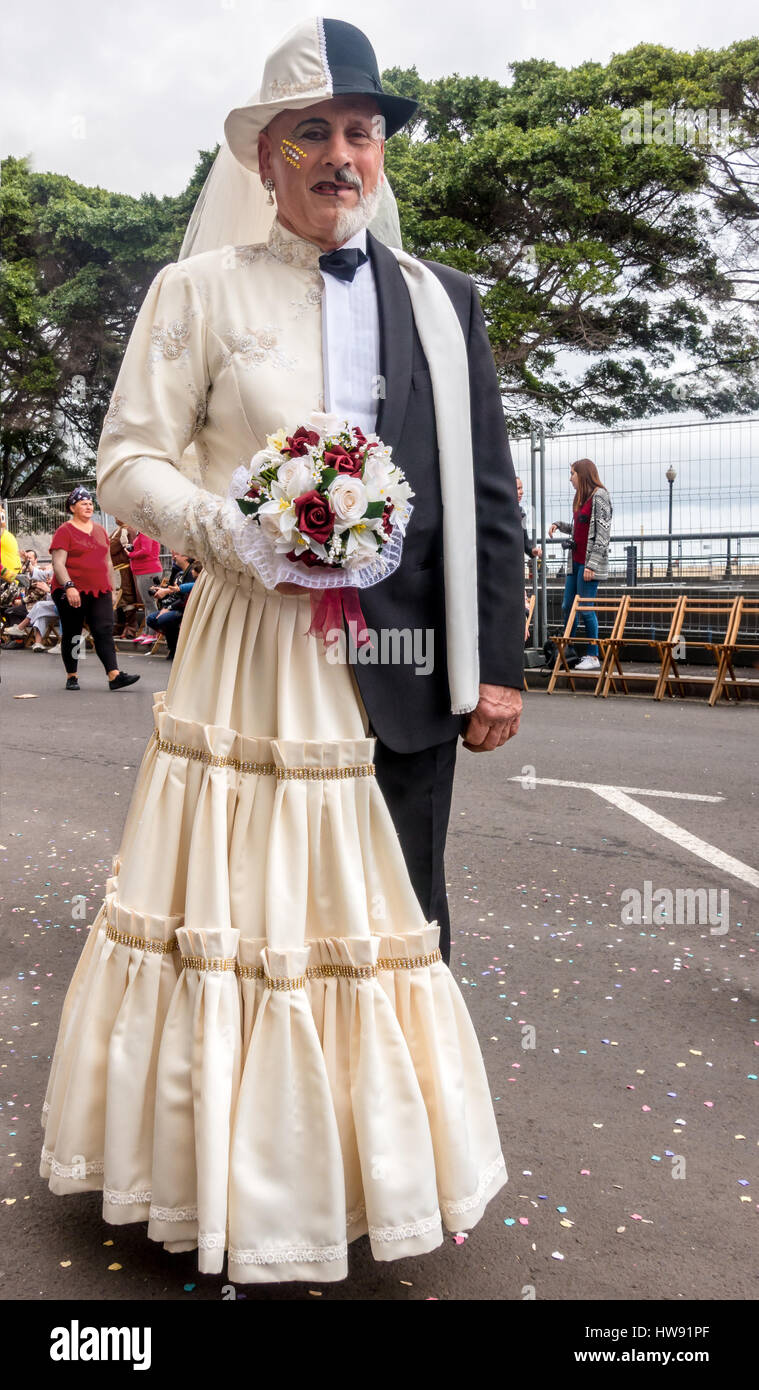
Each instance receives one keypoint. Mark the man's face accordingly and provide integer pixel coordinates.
(520, 489)
(344, 133)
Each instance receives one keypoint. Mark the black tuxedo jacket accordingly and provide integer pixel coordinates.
(410, 711)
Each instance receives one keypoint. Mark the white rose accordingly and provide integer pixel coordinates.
(348, 497)
(295, 476)
(326, 424)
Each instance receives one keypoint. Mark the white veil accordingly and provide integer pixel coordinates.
(233, 210)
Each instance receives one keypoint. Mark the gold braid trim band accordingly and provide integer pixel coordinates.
(343, 972)
(408, 962)
(257, 972)
(208, 963)
(308, 774)
(141, 942)
(201, 755)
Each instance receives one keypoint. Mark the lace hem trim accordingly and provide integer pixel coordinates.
(212, 1240)
(114, 1198)
(290, 1254)
(469, 1203)
(173, 1213)
(80, 1169)
(407, 1231)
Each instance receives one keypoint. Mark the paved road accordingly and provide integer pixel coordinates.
(646, 1036)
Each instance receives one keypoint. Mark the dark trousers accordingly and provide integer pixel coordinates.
(97, 611)
(418, 788)
(167, 621)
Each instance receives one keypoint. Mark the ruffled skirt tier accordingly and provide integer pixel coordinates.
(261, 1051)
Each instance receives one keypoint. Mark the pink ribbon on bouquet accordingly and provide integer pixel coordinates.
(329, 606)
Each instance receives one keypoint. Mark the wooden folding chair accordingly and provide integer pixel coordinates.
(725, 610)
(642, 608)
(744, 608)
(608, 606)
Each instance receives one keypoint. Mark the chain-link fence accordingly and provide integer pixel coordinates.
(685, 496)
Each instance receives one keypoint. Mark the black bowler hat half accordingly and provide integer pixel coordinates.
(319, 59)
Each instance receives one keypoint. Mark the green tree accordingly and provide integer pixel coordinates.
(619, 280)
(77, 264)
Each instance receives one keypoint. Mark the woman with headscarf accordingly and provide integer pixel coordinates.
(83, 581)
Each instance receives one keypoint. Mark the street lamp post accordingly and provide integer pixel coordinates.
(671, 474)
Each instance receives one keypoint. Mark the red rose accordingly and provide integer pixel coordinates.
(386, 523)
(306, 557)
(314, 516)
(359, 436)
(344, 461)
(253, 492)
(298, 443)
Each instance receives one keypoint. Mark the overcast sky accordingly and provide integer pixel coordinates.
(124, 94)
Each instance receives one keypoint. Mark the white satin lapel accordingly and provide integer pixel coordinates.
(445, 349)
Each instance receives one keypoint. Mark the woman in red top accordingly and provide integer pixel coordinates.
(83, 580)
(145, 560)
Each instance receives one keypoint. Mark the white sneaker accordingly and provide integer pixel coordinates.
(588, 663)
(39, 647)
(56, 648)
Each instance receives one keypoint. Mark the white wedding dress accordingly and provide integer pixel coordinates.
(261, 1051)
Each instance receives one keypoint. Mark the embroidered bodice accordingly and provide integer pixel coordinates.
(226, 348)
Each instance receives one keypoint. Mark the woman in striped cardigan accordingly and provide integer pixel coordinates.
(590, 529)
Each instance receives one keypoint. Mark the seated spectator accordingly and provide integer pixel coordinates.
(31, 570)
(42, 614)
(167, 620)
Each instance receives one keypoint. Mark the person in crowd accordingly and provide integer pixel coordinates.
(32, 572)
(82, 586)
(529, 550)
(168, 619)
(10, 556)
(145, 562)
(42, 613)
(589, 529)
(125, 595)
(13, 607)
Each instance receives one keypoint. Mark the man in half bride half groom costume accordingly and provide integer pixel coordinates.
(262, 1050)
(405, 353)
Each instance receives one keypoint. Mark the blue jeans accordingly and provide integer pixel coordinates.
(586, 588)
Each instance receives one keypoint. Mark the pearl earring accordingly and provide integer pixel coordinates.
(269, 186)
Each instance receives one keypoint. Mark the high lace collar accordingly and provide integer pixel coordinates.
(293, 250)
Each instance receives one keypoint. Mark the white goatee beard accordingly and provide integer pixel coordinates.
(352, 220)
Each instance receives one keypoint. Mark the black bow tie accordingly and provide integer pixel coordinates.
(344, 262)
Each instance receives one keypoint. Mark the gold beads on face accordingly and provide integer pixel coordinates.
(292, 153)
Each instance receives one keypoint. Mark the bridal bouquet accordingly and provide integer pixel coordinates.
(326, 508)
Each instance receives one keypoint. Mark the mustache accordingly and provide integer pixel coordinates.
(343, 175)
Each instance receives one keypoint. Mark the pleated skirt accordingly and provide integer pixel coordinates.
(261, 1052)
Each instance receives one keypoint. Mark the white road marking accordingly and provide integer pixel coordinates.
(716, 857)
(631, 791)
(620, 797)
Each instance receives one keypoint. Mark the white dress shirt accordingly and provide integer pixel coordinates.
(350, 344)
